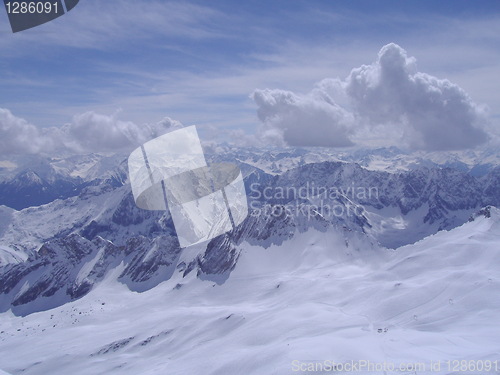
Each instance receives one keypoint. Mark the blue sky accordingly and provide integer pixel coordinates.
(198, 62)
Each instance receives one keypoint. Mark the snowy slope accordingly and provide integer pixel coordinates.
(89, 235)
(9, 255)
(316, 297)
(123, 299)
(28, 229)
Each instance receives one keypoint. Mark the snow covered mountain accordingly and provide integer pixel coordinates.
(314, 298)
(35, 180)
(58, 252)
(391, 159)
(374, 258)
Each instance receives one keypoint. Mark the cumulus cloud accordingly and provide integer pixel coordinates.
(19, 136)
(388, 97)
(434, 113)
(95, 132)
(87, 132)
(290, 117)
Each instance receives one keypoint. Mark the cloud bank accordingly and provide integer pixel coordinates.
(87, 132)
(388, 100)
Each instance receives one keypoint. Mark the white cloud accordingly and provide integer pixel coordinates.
(88, 132)
(91, 131)
(434, 114)
(302, 120)
(19, 136)
(387, 99)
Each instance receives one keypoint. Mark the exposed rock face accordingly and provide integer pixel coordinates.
(67, 268)
(73, 244)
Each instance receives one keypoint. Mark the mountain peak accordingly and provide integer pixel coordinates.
(29, 178)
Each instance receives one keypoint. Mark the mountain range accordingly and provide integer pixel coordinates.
(373, 246)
